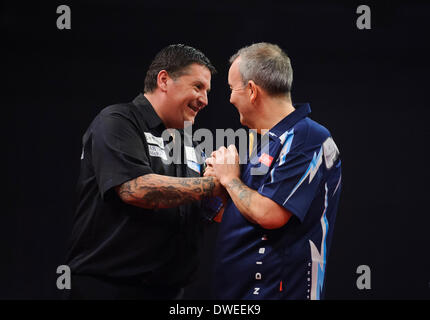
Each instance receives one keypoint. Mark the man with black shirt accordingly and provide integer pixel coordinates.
(138, 219)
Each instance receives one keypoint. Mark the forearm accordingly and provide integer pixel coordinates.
(255, 207)
(153, 191)
(224, 164)
(247, 201)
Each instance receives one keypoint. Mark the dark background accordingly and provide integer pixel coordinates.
(368, 87)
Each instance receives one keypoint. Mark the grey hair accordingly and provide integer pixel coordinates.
(267, 65)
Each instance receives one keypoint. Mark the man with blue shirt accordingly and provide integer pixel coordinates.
(277, 227)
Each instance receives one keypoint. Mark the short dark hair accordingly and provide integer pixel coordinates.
(267, 65)
(174, 59)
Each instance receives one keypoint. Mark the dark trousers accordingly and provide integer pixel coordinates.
(85, 287)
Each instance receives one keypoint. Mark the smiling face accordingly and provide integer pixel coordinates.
(239, 94)
(187, 95)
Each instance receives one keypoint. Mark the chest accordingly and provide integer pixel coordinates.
(168, 155)
(260, 162)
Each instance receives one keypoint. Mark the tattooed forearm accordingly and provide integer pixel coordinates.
(164, 197)
(155, 191)
(243, 197)
(255, 207)
(243, 192)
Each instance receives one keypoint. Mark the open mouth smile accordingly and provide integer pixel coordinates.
(195, 109)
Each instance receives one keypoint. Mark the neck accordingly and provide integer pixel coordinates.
(157, 103)
(271, 111)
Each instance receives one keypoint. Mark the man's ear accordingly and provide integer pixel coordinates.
(162, 79)
(254, 91)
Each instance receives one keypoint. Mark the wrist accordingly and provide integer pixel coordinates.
(226, 181)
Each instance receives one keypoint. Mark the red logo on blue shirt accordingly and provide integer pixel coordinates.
(266, 159)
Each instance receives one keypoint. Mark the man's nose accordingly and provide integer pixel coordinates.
(203, 99)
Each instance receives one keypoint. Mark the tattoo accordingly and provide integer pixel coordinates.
(208, 185)
(155, 191)
(244, 193)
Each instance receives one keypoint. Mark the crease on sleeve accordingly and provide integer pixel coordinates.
(118, 151)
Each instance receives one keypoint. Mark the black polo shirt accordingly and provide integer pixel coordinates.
(113, 239)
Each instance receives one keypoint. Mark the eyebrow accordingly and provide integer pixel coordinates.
(202, 84)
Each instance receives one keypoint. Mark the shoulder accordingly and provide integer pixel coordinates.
(310, 132)
(115, 117)
(119, 109)
(118, 113)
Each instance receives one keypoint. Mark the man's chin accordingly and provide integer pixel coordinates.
(188, 121)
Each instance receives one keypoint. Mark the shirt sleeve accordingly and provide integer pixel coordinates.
(118, 152)
(294, 180)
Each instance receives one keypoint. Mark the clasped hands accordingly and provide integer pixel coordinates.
(223, 164)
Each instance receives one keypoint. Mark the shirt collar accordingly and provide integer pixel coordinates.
(302, 110)
(151, 117)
